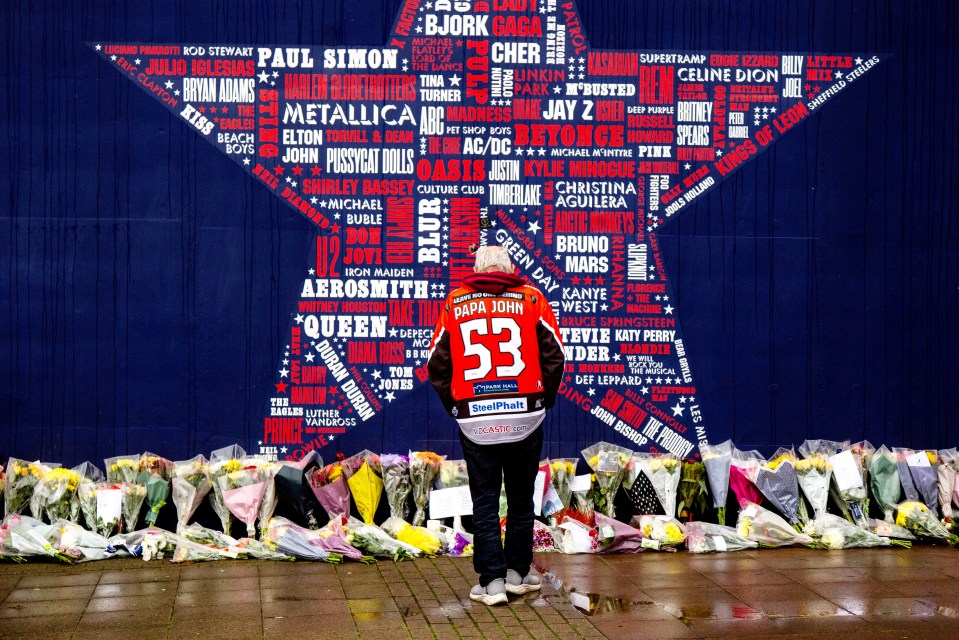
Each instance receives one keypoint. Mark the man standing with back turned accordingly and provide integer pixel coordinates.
(496, 361)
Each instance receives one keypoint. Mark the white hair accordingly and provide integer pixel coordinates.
(492, 258)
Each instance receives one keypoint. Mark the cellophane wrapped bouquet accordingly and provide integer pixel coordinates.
(767, 528)
(848, 484)
(222, 462)
(81, 545)
(664, 473)
(22, 536)
(20, 479)
(917, 518)
(613, 536)
(134, 494)
(884, 481)
(191, 483)
(334, 539)
(455, 542)
(330, 488)
(923, 466)
(692, 490)
(373, 541)
(424, 467)
(396, 483)
(85, 499)
(293, 540)
(56, 493)
(268, 470)
(242, 492)
(608, 462)
(665, 532)
(419, 537)
(364, 476)
(717, 459)
(742, 471)
(108, 508)
(832, 532)
(909, 490)
(122, 469)
(155, 472)
(813, 473)
(947, 481)
(706, 537)
(778, 482)
(561, 474)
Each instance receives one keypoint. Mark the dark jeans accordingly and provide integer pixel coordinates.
(489, 466)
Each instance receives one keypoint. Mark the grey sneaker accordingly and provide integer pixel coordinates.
(518, 586)
(492, 594)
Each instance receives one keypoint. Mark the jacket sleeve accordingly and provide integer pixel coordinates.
(552, 358)
(440, 363)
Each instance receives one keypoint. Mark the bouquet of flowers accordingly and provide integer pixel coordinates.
(813, 474)
(332, 537)
(581, 501)
(561, 474)
(24, 536)
(947, 480)
(189, 551)
(242, 492)
(578, 537)
(155, 465)
(55, 493)
(848, 485)
(419, 537)
(293, 490)
(905, 477)
(706, 537)
(424, 467)
(293, 540)
(743, 468)
(889, 530)
(107, 508)
(191, 483)
(133, 496)
(222, 462)
(917, 517)
(155, 477)
(663, 473)
(157, 544)
(717, 459)
(259, 550)
(608, 462)
(692, 489)
(613, 536)
(330, 488)
(923, 467)
(543, 539)
(122, 469)
(365, 479)
(81, 545)
(18, 483)
(268, 470)
(665, 532)
(452, 474)
(777, 481)
(768, 529)
(88, 475)
(455, 543)
(396, 482)
(373, 541)
(884, 481)
(207, 537)
(833, 532)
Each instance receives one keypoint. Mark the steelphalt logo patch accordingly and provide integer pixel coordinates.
(485, 407)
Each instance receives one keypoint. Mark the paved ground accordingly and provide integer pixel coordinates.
(786, 593)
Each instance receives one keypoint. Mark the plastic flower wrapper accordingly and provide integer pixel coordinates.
(107, 502)
(947, 480)
(157, 544)
(332, 537)
(396, 482)
(848, 485)
(190, 484)
(608, 462)
(18, 484)
(330, 488)
(419, 537)
(580, 502)
(293, 490)
(258, 550)
(917, 517)
(134, 494)
(923, 465)
(717, 459)
(55, 493)
(82, 545)
(455, 543)
(378, 543)
(889, 530)
(613, 536)
(578, 537)
(424, 467)
(24, 536)
(744, 467)
(189, 551)
(543, 539)
(207, 537)
(268, 470)
(777, 481)
(365, 479)
(832, 532)
(222, 462)
(157, 492)
(293, 540)
(242, 491)
(639, 488)
(664, 473)
(88, 475)
(155, 465)
(909, 491)
(452, 474)
(122, 469)
(375, 542)
(767, 528)
(706, 537)
(813, 473)
(692, 489)
(664, 532)
(561, 474)
(884, 481)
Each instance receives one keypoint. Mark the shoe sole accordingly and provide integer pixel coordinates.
(521, 589)
(489, 600)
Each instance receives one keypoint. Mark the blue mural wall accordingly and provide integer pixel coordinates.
(148, 282)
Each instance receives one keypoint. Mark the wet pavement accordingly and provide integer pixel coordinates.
(783, 593)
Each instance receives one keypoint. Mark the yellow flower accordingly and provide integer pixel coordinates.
(673, 534)
(774, 464)
(907, 508)
(933, 457)
(233, 465)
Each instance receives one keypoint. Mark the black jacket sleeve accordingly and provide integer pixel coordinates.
(552, 360)
(440, 368)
